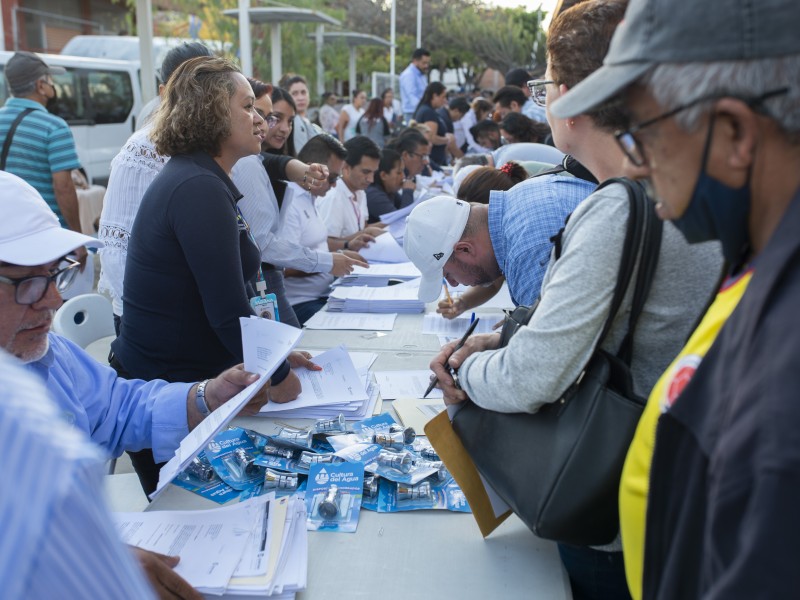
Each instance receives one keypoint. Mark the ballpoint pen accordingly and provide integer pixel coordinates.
(463, 340)
(447, 291)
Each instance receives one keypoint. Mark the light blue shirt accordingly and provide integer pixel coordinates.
(118, 414)
(412, 85)
(58, 540)
(533, 111)
(521, 222)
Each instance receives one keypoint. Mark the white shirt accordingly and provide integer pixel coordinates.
(132, 172)
(354, 115)
(328, 118)
(301, 222)
(260, 209)
(58, 539)
(343, 211)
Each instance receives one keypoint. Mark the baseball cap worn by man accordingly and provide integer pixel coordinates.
(684, 31)
(30, 233)
(433, 228)
(26, 67)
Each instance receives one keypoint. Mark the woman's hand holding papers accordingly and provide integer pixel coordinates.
(447, 359)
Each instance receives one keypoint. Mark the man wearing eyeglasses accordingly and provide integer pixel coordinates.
(37, 145)
(711, 486)
(117, 414)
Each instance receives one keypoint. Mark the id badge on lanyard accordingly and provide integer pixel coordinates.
(264, 305)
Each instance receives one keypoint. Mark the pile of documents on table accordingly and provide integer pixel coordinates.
(343, 386)
(255, 548)
(380, 275)
(400, 298)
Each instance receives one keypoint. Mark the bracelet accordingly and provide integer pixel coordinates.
(200, 399)
(347, 244)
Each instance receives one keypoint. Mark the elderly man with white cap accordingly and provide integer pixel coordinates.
(117, 414)
(474, 244)
(711, 487)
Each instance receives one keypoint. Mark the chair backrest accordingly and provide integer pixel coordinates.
(84, 319)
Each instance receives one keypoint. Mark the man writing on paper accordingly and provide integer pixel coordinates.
(117, 414)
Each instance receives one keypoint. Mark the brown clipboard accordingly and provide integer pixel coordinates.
(448, 446)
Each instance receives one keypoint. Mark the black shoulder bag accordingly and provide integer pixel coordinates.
(559, 469)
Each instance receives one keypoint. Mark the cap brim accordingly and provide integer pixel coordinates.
(56, 70)
(598, 88)
(430, 286)
(44, 247)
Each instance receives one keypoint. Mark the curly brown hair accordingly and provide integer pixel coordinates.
(577, 43)
(478, 185)
(195, 112)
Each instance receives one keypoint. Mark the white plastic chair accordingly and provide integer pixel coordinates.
(85, 319)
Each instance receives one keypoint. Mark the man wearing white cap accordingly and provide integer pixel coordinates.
(711, 485)
(473, 244)
(117, 414)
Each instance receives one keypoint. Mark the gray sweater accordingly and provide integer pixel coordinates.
(544, 358)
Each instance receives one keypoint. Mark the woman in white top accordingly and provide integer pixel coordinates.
(328, 115)
(303, 130)
(351, 113)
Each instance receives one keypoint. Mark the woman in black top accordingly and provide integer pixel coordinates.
(390, 190)
(434, 97)
(191, 262)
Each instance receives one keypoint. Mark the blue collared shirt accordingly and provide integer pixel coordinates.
(412, 85)
(118, 414)
(521, 222)
(58, 540)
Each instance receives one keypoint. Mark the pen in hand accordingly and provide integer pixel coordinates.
(447, 292)
(458, 347)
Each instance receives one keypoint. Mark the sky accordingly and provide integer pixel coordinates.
(547, 5)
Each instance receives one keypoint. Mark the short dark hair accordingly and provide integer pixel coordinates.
(482, 127)
(460, 104)
(360, 146)
(320, 148)
(408, 141)
(419, 53)
(178, 55)
(389, 158)
(524, 129)
(508, 94)
(518, 77)
(259, 87)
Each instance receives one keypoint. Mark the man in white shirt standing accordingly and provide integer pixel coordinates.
(344, 207)
(413, 81)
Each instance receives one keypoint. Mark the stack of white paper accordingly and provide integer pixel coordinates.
(401, 298)
(384, 249)
(361, 321)
(337, 388)
(436, 324)
(378, 275)
(258, 546)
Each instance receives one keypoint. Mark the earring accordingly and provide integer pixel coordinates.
(572, 122)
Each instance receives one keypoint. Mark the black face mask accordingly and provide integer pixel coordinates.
(717, 212)
(52, 103)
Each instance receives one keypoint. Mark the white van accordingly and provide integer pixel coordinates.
(99, 99)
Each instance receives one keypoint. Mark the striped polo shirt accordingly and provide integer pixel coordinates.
(42, 145)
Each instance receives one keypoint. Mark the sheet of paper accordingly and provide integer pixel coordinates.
(360, 321)
(384, 249)
(337, 382)
(403, 270)
(209, 542)
(414, 412)
(266, 343)
(405, 384)
(400, 213)
(436, 324)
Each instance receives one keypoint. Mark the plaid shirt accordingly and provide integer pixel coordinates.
(521, 223)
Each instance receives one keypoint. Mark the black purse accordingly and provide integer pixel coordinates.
(559, 469)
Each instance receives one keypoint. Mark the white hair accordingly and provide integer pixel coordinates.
(672, 85)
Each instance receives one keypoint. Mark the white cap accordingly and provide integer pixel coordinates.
(30, 233)
(433, 228)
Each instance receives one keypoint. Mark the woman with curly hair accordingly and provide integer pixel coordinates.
(192, 265)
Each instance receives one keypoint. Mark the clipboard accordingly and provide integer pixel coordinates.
(448, 446)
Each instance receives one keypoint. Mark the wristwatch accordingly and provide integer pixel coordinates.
(200, 399)
(347, 244)
(456, 382)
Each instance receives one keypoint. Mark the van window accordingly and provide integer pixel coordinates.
(111, 95)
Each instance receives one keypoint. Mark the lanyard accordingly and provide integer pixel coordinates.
(261, 284)
(356, 210)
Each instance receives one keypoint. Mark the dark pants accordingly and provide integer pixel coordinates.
(306, 310)
(143, 462)
(274, 279)
(594, 574)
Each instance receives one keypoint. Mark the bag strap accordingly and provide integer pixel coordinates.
(569, 165)
(642, 241)
(10, 135)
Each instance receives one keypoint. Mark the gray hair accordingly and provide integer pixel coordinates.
(24, 90)
(673, 84)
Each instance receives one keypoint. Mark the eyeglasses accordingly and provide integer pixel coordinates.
(634, 150)
(271, 121)
(422, 157)
(30, 290)
(538, 88)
